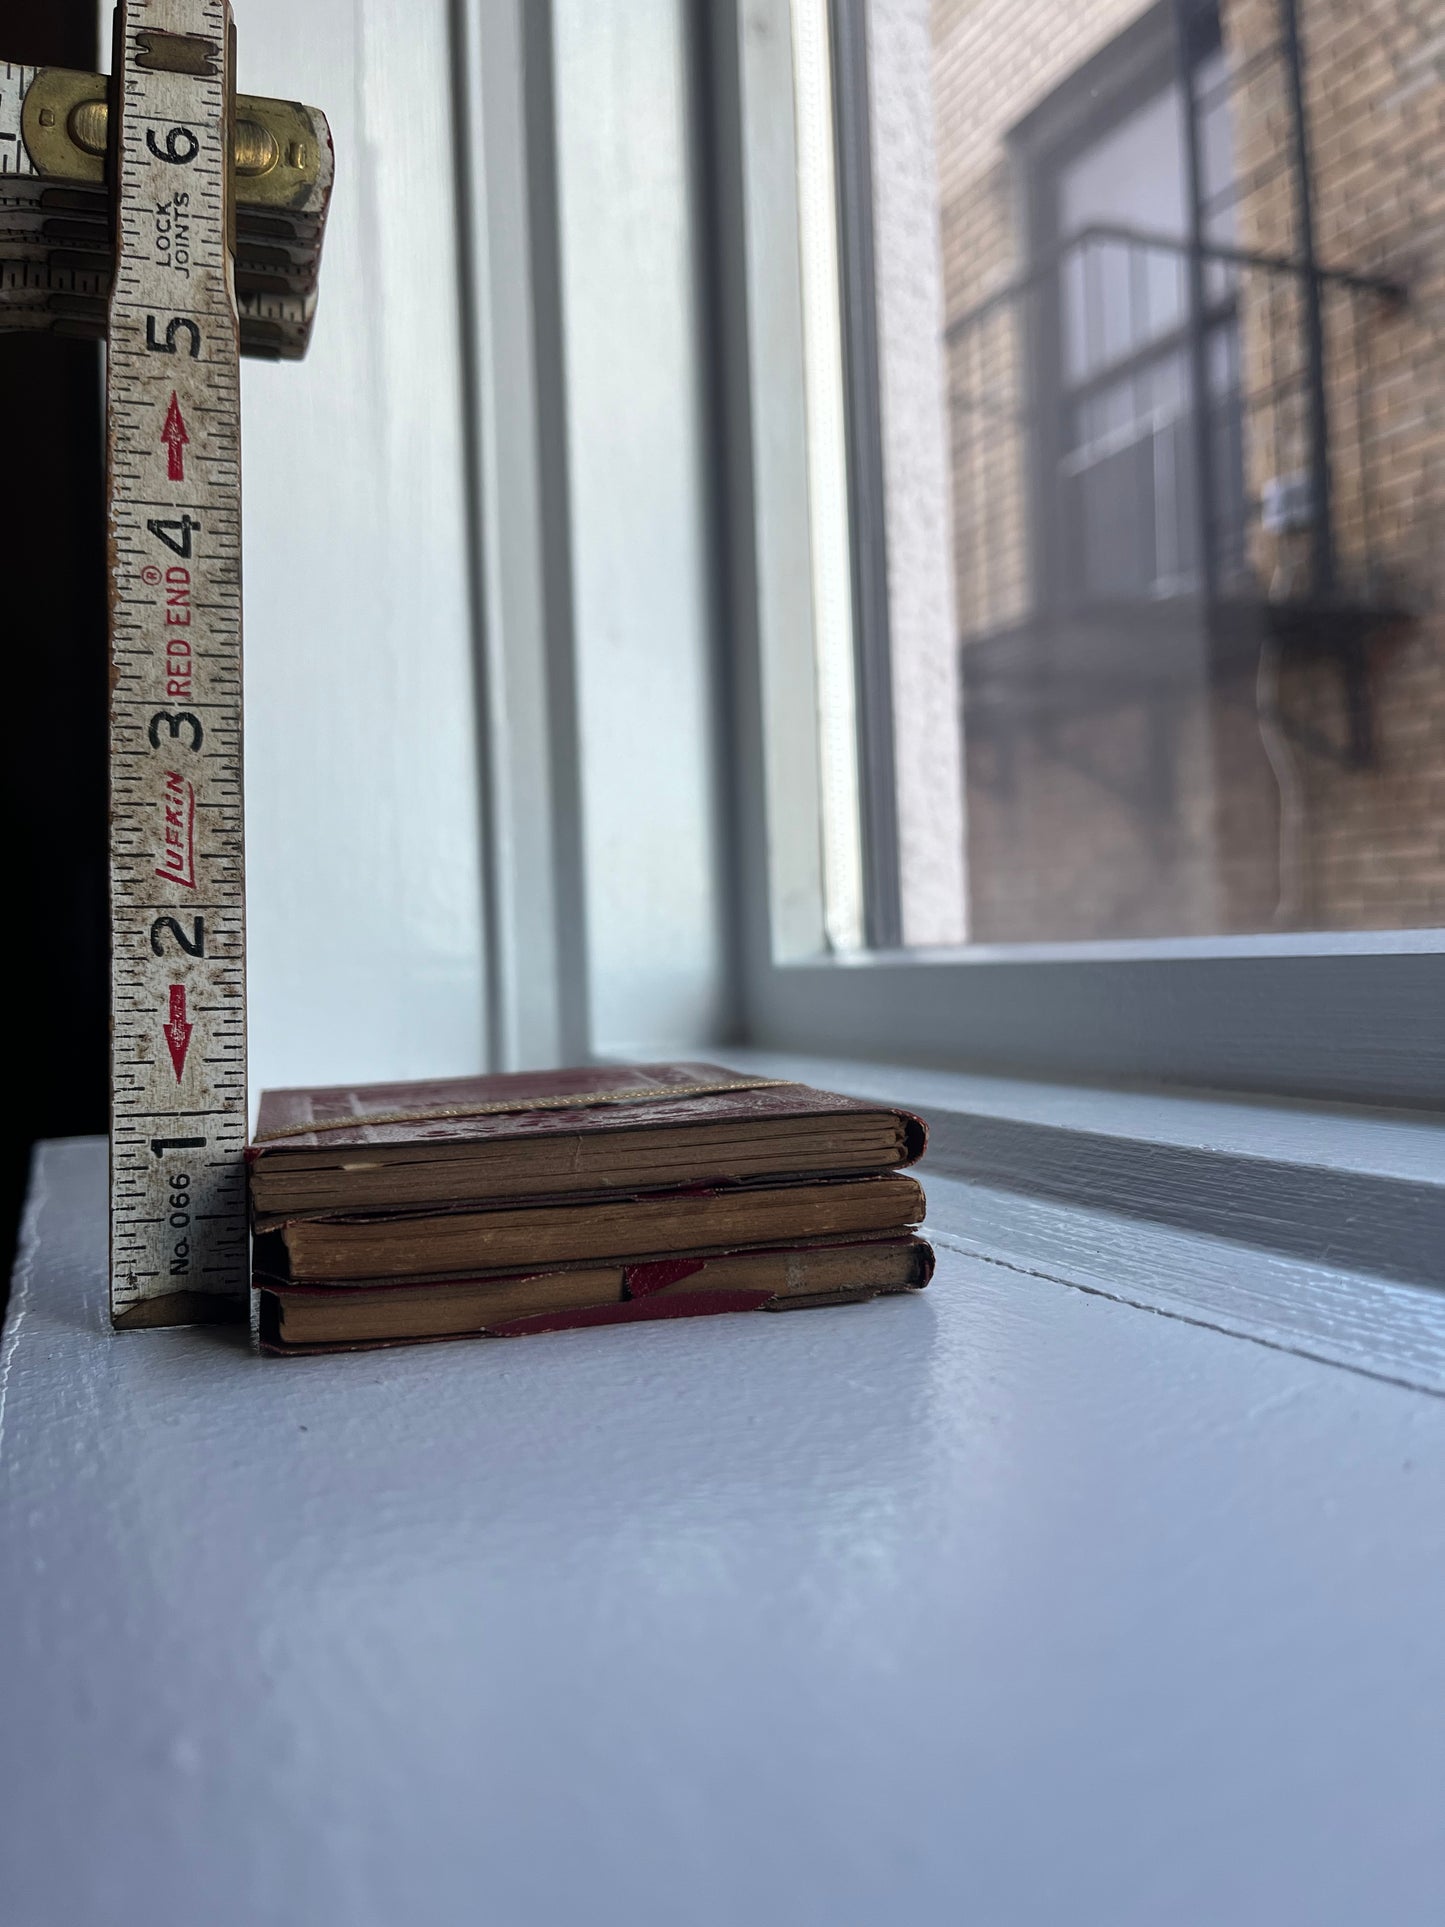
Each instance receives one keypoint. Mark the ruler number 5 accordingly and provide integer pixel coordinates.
(181, 146)
(173, 328)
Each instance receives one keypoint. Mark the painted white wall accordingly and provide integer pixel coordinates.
(638, 501)
(366, 954)
(536, 942)
(366, 814)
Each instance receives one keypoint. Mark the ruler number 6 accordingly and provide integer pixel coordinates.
(181, 146)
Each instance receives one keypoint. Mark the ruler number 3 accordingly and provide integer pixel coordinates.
(181, 146)
(175, 721)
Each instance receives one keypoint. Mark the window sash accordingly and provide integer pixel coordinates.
(1357, 1016)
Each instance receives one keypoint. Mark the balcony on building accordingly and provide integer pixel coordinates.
(1166, 460)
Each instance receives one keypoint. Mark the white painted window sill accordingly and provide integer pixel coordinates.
(1320, 1229)
(1009, 1603)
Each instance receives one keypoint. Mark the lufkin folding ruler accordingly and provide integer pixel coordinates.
(185, 225)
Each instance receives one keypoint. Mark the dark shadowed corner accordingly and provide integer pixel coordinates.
(52, 568)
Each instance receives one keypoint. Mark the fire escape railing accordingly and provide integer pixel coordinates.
(1079, 368)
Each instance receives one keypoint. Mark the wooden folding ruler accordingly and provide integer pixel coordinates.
(185, 225)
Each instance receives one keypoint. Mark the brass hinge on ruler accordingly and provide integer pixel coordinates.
(57, 211)
(185, 225)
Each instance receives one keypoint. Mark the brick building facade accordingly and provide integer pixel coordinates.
(1169, 732)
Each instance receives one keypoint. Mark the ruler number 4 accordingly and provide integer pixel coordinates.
(176, 535)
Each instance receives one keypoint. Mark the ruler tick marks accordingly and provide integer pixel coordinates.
(161, 245)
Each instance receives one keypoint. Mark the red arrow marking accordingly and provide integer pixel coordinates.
(177, 1032)
(176, 439)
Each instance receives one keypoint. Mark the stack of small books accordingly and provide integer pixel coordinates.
(535, 1202)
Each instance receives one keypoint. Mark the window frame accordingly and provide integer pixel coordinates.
(1348, 1016)
(872, 619)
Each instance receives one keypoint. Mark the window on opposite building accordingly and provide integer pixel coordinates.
(1126, 402)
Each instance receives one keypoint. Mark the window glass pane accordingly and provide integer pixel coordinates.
(1162, 387)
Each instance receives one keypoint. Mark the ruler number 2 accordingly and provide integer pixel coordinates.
(194, 945)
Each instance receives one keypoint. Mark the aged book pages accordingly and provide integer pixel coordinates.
(739, 1281)
(430, 1244)
(557, 1134)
